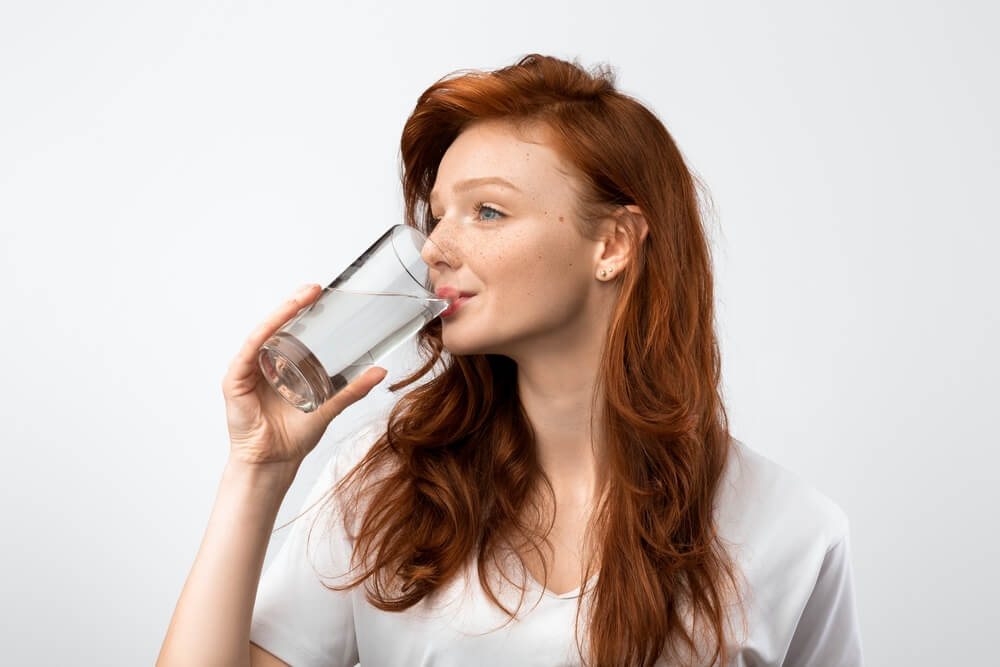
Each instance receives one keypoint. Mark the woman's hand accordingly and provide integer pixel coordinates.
(263, 427)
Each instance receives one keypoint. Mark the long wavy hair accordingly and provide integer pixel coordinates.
(459, 472)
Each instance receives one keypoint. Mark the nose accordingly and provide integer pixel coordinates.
(437, 251)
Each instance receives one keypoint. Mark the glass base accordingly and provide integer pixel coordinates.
(295, 372)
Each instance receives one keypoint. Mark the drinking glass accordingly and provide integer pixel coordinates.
(382, 299)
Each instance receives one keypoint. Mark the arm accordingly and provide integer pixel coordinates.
(269, 439)
(211, 623)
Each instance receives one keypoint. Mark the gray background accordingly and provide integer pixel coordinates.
(170, 172)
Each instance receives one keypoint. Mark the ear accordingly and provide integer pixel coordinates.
(615, 250)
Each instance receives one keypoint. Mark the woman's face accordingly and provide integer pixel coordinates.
(514, 245)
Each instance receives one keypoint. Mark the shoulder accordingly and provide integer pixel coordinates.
(350, 447)
(347, 451)
(791, 542)
(779, 526)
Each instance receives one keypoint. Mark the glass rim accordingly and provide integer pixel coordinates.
(421, 235)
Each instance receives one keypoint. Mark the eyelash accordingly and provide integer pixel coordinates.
(478, 208)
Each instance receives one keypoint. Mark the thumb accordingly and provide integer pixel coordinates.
(352, 393)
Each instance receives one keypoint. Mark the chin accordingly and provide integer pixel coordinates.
(456, 346)
(458, 343)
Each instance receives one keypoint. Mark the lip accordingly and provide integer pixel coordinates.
(455, 305)
(447, 292)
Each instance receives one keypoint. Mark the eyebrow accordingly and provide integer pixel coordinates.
(476, 182)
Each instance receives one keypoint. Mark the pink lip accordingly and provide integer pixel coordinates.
(455, 305)
(446, 292)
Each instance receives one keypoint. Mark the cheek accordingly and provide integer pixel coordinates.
(540, 288)
(524, 272)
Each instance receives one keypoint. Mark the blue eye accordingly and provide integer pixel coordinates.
(480, 207)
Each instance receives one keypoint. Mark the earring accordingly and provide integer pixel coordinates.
(604, 273)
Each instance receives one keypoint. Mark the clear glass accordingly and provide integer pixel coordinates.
(382, 299)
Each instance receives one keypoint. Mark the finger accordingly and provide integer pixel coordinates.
(353, 392)
(245, 362)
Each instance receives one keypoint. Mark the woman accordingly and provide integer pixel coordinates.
(573, 450)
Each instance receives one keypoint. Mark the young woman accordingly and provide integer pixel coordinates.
(564, 491)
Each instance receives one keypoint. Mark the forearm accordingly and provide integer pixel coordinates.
(211, 623)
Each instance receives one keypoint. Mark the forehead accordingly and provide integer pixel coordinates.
(495, 148)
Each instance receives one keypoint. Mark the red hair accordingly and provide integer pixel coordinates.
(459, 451)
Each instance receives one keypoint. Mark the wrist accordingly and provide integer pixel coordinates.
(275, 476)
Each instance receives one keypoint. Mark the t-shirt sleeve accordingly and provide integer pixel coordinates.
(295, 617)
(828, 632)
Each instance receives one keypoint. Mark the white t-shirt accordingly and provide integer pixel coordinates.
(790, 540)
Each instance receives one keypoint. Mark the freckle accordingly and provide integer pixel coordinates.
(560, 218)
